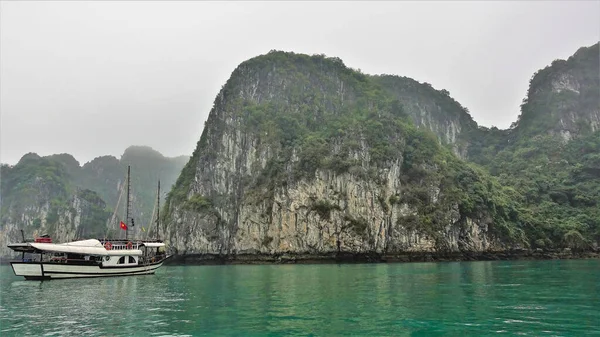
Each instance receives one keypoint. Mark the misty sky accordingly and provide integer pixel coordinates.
(91, 78)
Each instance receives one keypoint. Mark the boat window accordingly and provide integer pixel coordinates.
(71, 256)
(121, 260)
(131, 259)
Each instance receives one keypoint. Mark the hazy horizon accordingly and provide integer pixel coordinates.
(118, 156)
(93, 78)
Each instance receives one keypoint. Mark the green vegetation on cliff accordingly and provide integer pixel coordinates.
(551, 155)
(560, 188)
(326, 116)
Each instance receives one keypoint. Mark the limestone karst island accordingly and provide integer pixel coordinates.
(304, 159)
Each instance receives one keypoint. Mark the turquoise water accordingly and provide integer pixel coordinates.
(535, 298)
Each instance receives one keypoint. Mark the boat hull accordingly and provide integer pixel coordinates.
(50, 270)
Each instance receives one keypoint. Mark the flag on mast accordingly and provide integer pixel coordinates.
(123, 226)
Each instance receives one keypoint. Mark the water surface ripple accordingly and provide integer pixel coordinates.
(530, 298)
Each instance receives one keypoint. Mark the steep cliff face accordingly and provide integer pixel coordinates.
(432, 110)
(303, 155)
(563, 98)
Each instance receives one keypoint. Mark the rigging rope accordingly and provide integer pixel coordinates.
(112, 219)
(150, 223)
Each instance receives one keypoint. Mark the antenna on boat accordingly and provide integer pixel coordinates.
(127, 209)
(158, 211)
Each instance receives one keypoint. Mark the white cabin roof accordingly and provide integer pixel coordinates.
(84, 243)
(84, 247)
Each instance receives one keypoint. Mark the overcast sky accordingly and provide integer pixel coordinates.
(91, 78)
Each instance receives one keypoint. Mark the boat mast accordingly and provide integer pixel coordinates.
(158, 211)
(127, 211)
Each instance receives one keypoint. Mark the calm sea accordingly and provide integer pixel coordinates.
(534, 298)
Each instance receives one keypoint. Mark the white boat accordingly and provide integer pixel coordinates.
(92, 257)
(88, 258)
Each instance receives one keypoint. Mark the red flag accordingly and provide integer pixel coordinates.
(123, 226)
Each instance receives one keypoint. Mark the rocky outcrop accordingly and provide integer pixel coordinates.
(245, 190)
(302, 156)
(563, 98)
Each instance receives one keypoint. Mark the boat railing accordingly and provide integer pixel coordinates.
(121, 244)
(123, 240)
(124, 246)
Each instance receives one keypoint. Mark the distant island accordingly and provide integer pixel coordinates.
(303, 159)
(57, 196)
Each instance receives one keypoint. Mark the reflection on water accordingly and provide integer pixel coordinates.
(473, 298)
